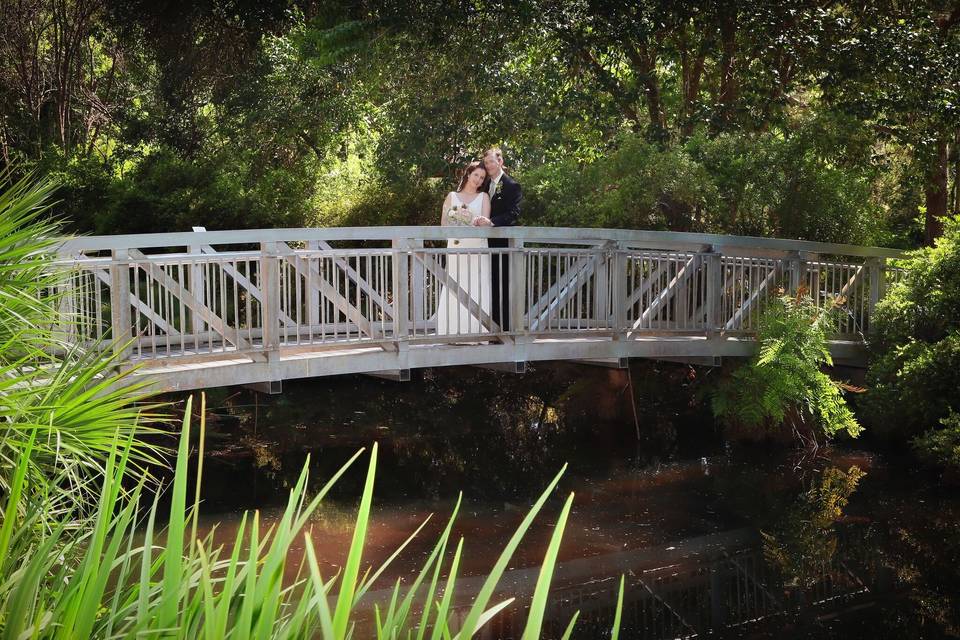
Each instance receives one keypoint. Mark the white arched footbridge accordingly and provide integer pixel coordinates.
(218, 308)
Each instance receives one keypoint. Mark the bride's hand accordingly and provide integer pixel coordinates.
(481, 221)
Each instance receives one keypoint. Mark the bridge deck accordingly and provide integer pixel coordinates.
(207, 309)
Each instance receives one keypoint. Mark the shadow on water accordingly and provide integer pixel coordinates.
(712, 539)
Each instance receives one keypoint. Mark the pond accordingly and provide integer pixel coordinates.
(713, 538)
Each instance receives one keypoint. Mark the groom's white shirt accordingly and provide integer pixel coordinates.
(495, 182)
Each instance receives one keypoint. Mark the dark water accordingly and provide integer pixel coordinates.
(713, 538)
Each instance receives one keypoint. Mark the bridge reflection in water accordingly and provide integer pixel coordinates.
(219, 308)
(716, 584)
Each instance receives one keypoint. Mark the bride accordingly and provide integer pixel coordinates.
(469, 205)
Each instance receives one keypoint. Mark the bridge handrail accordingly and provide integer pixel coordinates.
(625, 237)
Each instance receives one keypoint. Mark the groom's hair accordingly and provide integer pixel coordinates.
(495, 151)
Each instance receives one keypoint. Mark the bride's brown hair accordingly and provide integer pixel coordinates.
(470, 168)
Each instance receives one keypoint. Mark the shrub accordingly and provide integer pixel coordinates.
(636, 185)
(941, 447)
(63, 397)
(817, 183)
(914, 369)
(783, 383)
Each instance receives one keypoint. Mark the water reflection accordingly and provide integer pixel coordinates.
(677, 511)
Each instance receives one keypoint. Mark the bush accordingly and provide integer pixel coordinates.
(914, 369)
(636, 185)
(783, 384)
(813, 183)
(381, 204)
(166, 193)
(817, 183)
(941, 447)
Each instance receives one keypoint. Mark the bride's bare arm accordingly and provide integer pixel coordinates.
(443, 212)
(484, 219)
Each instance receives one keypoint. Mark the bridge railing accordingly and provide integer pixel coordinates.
(185, 297)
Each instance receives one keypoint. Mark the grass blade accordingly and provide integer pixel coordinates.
(573, 621)
(539, 603)
(615, 632)
(486, 591)
(341, 616)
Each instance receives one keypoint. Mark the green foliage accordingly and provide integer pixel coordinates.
(60, 399)
(814, 181)
(783, 384)
(915, 348)
(636, 185)
(382, 203)
(116, 581)
(815, 184)
(941, 447)
(797, 121)
(804, 540)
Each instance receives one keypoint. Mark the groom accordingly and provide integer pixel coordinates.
(505, 197)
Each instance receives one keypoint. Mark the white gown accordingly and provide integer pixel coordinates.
(471, 271)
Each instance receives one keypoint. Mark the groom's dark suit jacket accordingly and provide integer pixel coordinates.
(504, 212)
(505, 206)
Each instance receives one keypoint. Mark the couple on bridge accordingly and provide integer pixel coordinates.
(485, 197)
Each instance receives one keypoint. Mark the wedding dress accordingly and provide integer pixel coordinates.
(471, 272)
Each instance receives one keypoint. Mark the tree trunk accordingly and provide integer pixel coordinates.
(609, 83)
(644, 62)
(936, 193)
(691, 72)
(956, 174)
(728, 63)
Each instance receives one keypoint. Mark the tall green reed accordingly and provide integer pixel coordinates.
(118, 580)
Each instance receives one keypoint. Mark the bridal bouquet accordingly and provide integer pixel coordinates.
(460, 216)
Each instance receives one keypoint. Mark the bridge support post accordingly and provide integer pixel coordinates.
(618, 291)
(519, 322)
(798, 271)
(878, 286)
(401, 298)
(617, 279)
(714, 296)
(120, 303)
(68, 328)
(270, 288)
(418, 282)
(313, 299)
(196, 284)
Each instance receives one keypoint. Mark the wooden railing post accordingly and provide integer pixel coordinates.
(605, 293)
(418, 282)
(401, 292)
(618, 290)
(313, 293)
(67, 318)
(797, 268)
(878, 286)
(120, 319)
(518, 287)
(196, 285)
(270, 290)
(714, 296)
